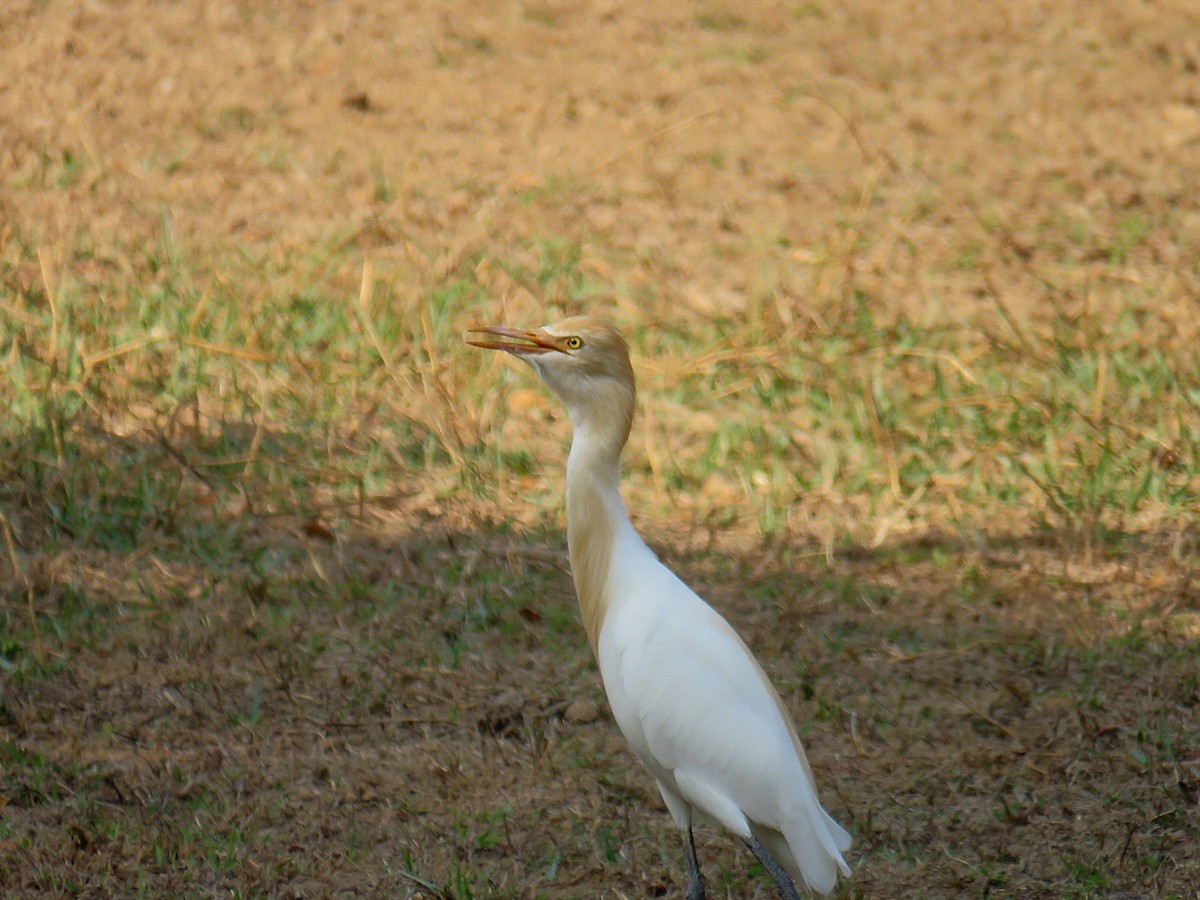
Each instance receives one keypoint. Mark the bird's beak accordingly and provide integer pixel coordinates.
(534, 341)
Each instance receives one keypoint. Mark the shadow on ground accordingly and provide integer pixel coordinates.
(381, 698)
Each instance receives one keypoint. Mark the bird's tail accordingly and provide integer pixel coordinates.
(809, 847)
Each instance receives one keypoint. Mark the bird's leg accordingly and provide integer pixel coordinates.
(695, 890)
(783, 881)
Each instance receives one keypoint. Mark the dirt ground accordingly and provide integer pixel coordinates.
(400, 702)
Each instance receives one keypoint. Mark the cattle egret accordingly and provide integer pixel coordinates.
(688, 695)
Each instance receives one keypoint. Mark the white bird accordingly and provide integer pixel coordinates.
(690, 698)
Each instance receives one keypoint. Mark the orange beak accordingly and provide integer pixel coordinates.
(534, 341)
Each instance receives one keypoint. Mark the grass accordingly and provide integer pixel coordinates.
(285, 607)
(183, 428)
(184, 431)
(1085, 426)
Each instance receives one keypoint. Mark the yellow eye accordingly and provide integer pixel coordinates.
(573, 343)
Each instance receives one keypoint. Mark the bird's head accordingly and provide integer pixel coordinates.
(583, 359)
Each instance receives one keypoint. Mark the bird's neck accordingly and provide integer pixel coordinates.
(596, 520)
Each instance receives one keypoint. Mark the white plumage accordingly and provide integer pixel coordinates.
(693, 703)
(695, 708)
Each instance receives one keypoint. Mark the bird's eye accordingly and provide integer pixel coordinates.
(573, 343)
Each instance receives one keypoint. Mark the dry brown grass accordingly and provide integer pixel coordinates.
(914, 301)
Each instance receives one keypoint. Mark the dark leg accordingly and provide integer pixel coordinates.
(783, 881)
(695, 889)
